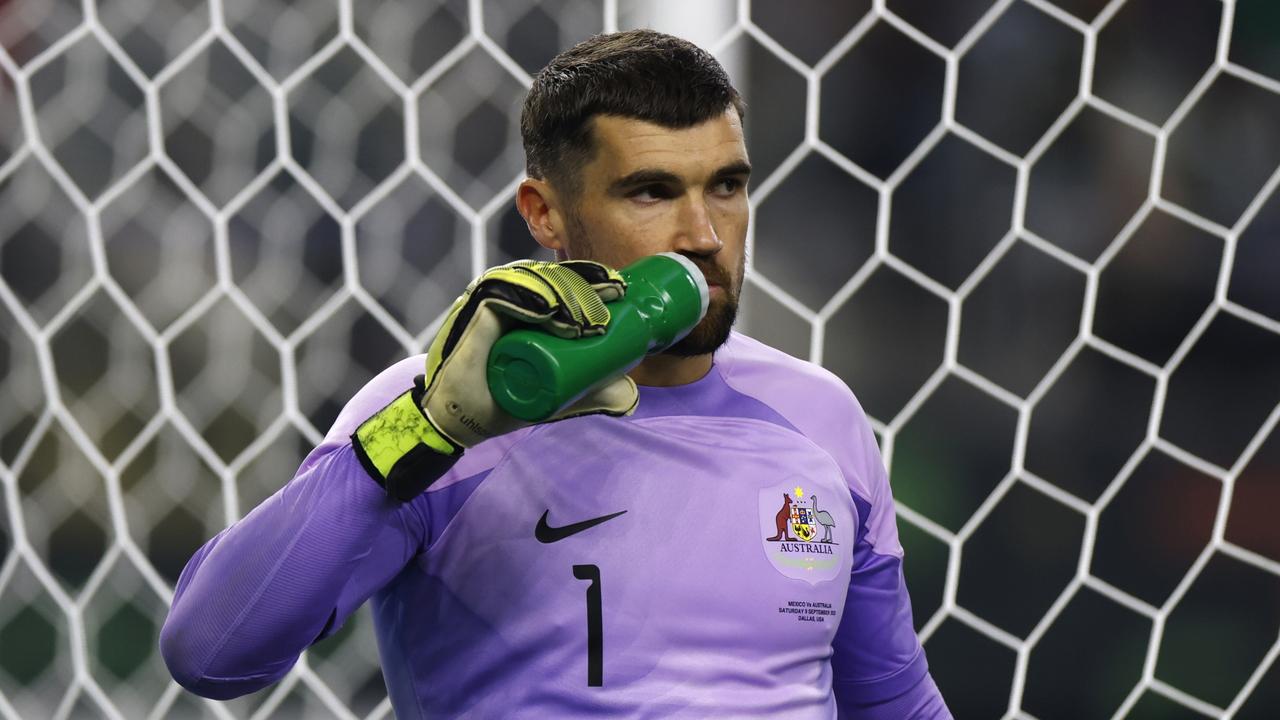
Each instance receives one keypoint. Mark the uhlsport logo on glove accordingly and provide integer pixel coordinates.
(454, 409)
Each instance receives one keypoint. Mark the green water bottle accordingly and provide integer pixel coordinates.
(533, 374)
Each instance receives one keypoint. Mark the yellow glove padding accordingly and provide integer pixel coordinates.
(418, 436)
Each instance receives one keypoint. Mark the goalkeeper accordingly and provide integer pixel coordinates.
(710, 536)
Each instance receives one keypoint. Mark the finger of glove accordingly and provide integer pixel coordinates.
(519, 292)
(608, 283)
(617, 397)
(580, 305)
(575, 312)
(519, 297)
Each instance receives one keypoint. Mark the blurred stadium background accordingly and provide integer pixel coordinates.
(1040, 240)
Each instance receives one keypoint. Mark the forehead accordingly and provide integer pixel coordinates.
(624, 145)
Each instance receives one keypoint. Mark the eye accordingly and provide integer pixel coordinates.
(728, 186)
(651, 193)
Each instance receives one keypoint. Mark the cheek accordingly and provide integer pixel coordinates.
(731, 221)
(731, 227)
(617, 239)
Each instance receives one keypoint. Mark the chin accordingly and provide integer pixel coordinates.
(708, 335)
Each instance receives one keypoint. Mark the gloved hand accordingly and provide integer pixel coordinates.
(418, 436)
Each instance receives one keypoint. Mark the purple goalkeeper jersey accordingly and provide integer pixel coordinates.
(730, 550)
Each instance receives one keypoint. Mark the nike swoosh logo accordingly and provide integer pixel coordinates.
(547, 534)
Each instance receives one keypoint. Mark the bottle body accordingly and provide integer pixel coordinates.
(533, 374)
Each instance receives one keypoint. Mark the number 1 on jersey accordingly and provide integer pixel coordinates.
(595, 629)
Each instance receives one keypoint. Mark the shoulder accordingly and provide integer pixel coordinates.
(813, 400)
(821, 407)
(806, 394)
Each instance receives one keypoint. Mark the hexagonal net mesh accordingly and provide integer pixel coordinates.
(1036, 238)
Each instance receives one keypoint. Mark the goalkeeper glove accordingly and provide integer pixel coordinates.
(416, 438)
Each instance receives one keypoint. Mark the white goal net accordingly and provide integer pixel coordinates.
(1040, 239)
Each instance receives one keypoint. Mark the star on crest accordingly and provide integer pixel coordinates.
(799, 492)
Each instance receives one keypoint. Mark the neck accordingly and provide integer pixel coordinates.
(667, 370)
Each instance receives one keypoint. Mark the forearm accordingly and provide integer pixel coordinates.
(256, 596)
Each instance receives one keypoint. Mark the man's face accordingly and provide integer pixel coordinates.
(651, 189)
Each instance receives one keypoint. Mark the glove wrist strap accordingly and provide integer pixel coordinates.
(400, 449)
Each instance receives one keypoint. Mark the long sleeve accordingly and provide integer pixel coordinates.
(921, 700)
(878, 666)
(264, 589)
(879, 670)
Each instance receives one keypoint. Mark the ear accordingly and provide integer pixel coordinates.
(537, 204)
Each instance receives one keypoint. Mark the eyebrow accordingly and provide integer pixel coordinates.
(741, 167)
(654, 176)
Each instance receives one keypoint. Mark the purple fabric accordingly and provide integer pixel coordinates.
(825, 411)
(920, 701)
(445, 503)
(709, 396)
(265, 588)
(754, 572)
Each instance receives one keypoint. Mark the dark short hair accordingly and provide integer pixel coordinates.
(639, 74)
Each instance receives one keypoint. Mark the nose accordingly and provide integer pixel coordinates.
(697, 232)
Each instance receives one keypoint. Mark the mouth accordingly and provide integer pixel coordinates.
(716, 277)
(713, 278)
